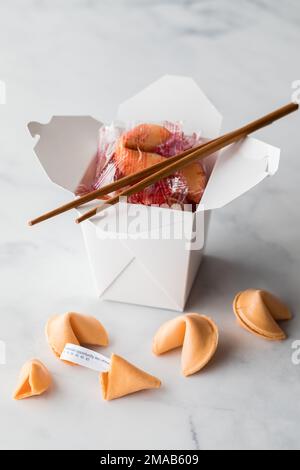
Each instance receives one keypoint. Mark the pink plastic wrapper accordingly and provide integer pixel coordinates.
(122, 152)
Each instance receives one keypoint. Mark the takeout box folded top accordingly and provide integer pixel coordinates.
(67, 146)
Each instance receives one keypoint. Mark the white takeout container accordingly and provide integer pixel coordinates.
(143, 266)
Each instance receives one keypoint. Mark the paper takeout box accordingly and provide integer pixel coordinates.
(140, 264)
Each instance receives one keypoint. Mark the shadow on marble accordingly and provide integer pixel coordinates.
(219, 280)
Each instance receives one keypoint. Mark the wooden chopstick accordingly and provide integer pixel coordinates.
(195, 155)
(120, 183)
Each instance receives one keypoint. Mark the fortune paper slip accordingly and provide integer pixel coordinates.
(258, 311)
(197, 334)
(76, 329)
(35, 379)
(118, 377)
(124, 378)
(85, 357)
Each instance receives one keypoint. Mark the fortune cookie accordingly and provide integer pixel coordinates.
(35, 379)
(124, 378)
(258, 312)
(135, 148)
(196, 180)
(197, 334)
(132, 161)
(74, 328)
(146, 137)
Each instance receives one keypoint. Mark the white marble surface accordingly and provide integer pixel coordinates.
(83, 57)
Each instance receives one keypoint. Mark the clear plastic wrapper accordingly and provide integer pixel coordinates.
(122, 152)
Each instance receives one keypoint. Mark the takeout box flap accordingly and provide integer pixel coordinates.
(238, 168)
(66, 148)
(176, 99)
(137, 286)
(152, 271)
(161, 261)
(108, 258)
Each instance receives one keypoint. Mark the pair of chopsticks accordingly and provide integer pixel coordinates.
(142, 179)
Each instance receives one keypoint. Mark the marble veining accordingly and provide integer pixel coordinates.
(84, 57)
(194, 435)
